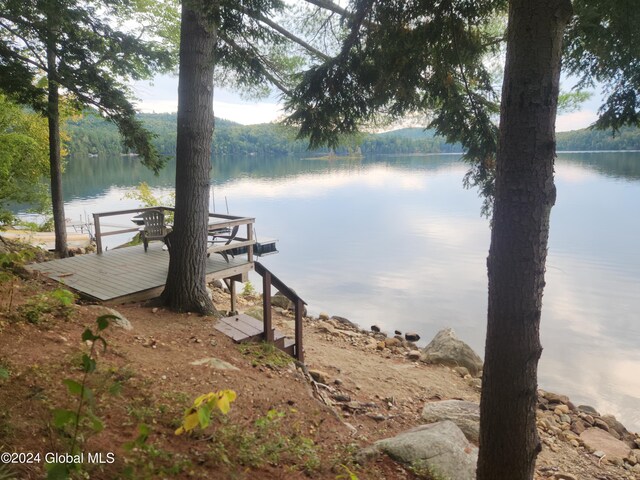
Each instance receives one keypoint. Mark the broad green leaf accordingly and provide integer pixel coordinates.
(58, 471)
(88, 335)
(204, 416)
(88, 363)
(62, 417)
(103, 321)
(74, 387)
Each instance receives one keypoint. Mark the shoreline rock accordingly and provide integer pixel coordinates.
(447, 349)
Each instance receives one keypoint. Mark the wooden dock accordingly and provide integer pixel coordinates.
(128, 274)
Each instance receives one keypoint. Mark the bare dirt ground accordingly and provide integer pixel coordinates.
(280, 426)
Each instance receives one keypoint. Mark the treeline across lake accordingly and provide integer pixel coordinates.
(92, 136)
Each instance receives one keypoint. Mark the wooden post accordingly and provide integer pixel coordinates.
(232, 291)
(266, 306)
(98, 234)
(250, 238)
(299, 350)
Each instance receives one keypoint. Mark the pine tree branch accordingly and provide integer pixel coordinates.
(287, 34)
(264, 71)
(332, 7)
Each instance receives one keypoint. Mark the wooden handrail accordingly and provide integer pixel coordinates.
(230, 221)
(269, 279)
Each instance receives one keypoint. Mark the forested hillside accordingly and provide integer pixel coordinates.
(91, 135)
(626, 139)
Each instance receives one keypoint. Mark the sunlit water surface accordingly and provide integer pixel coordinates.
(397, 241)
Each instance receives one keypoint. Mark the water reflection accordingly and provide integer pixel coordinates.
(397, 241)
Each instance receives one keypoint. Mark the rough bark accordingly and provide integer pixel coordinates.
(524, 195)
(55, 159)
(186, 282)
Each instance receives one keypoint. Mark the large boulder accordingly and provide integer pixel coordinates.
(119, 320)
(447, 349)
(279, 300)
(599, 440)
(441, 448)
(466, 415)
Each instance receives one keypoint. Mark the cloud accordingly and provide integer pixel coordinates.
(575, 121)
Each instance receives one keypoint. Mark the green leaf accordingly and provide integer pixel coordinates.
(4, 373)
(88, 335)
(96, 423)
(204, 416)
(62, 417)
(143, 432)
(74, 387)
(88, 363)
(57, 471)
(103, 321)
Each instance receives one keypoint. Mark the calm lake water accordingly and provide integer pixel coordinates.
(397, 241)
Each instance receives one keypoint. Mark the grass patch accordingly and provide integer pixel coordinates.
(265, 354)
(265, 443)
(57, 303)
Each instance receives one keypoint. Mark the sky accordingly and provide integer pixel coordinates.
(161, 96)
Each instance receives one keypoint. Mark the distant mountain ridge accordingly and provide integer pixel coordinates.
(92, 135)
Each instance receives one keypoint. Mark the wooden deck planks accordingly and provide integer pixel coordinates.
(125, 272)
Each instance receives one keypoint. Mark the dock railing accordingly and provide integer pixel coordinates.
(221, 222)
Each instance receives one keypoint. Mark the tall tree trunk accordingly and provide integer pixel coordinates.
(186, 282)
(55, 160)
(524, 195)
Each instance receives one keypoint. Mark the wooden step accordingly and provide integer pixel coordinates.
(244, 328)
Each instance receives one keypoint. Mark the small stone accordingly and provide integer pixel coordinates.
(589, 419)
(414, 355)
(378, 417)
(601, 424)
(560, 409)
(323, 316)
(411, 337)
(565, 418)
(380, 346)
(215, 363)
(341, 397)
(397, 332)
(319, 376)
(588, 409)
(564, 476)
(375, 328)
(393, 342)
(578, 427)
(164, 377)
(555, 398)
(154, 310)
(475, 383)
(616, 461)
(337, 381)
(462, 371)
